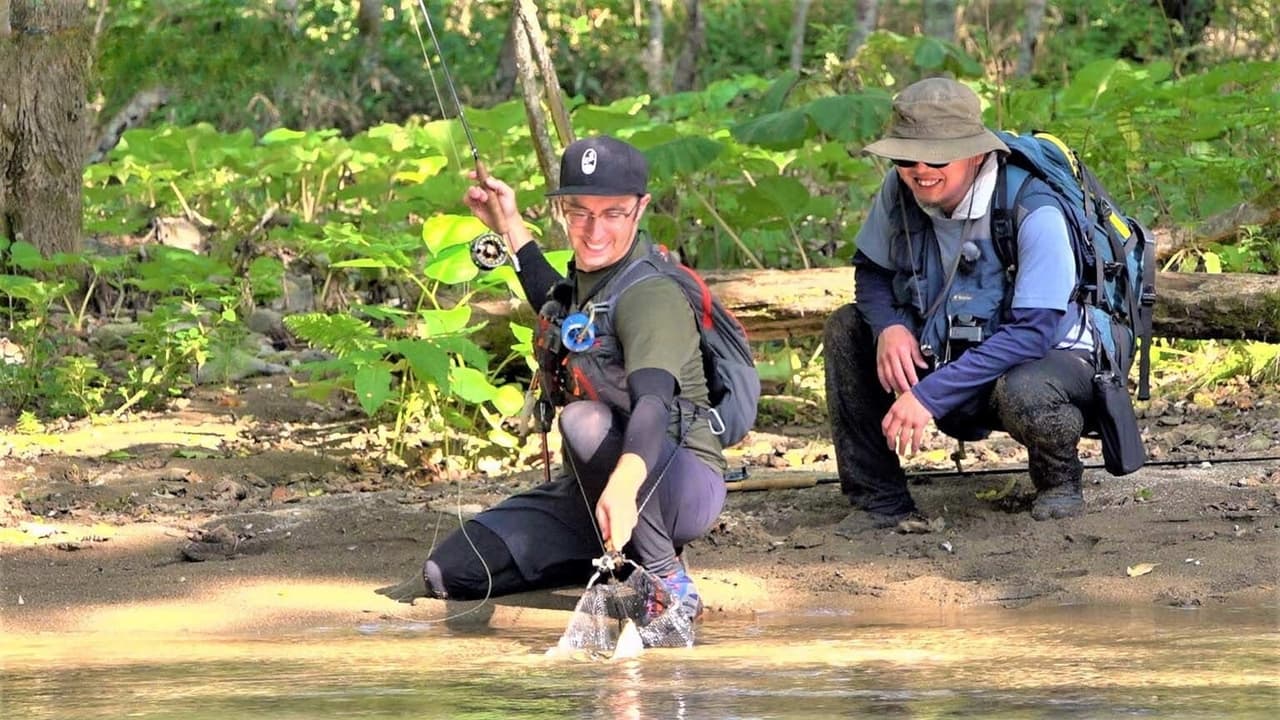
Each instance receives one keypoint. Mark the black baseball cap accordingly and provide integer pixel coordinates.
(602, 165)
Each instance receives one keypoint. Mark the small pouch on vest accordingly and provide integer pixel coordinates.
(1122, 450)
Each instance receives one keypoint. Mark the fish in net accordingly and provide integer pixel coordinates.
(619, 618)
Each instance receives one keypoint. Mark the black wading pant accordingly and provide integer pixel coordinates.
(1044, 404)
(547, 537)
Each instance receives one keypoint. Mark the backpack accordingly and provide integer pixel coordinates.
(1115, 253)
(733, 383)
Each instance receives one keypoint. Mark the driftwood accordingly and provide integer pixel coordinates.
(778, 304)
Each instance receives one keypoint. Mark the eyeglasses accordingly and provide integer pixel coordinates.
(579, 218)
(913, 163)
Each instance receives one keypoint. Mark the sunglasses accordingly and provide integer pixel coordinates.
(913, 163)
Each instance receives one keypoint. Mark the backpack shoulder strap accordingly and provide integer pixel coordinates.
(1011, 182)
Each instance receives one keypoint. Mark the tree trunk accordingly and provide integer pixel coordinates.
(1030, 36)
(369, 21)
(528, 15)
(655, 54)
(940, 19)
(44, 122)
(864, 23)
(288, 10)
(532, 93)
(686, 73)
(799, 21)
(505, 78)
(777, 304)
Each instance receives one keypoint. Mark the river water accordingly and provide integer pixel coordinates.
(989, 663)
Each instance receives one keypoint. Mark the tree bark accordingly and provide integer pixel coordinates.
(44, 121)
(369, 21)
(686, 71)
(505, 77)
(940, 19)
(528, 15)
(532, 92)
(778, 304)
(1032, 18)
(865, 18)
(655, 64)
(799, 21)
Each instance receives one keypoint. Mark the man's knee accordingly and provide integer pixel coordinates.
(584, 425)
(469, 564)
(843, 326)
(1033, 409)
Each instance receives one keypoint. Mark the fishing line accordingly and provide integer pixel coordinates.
(435, 87)
(482, 175)
(487, 251)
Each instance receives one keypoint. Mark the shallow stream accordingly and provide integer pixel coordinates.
(1062, 662)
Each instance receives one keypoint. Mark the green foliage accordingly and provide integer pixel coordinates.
(759, 168)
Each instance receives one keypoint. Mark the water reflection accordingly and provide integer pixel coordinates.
(1070, 662)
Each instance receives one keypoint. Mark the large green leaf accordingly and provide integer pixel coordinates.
(282, 135)
(445, 322)
(509, 399)
(683, 157)
(591, 120)
(1089, 83)
(930, 54)
(471, 385)
(785, 130)
(25, 256)
(775, 98)
(446, 230)
(373, 386)
(428, 360)
(851, 118)
(453, 266)
(785, 195)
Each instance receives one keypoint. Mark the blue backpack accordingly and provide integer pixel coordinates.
(1115, 253)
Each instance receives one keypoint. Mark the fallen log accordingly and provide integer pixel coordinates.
(1224, 227)
(780, 304)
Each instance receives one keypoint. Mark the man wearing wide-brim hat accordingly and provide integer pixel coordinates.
(938, 331)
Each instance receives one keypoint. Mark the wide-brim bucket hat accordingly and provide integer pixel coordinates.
(936, 120)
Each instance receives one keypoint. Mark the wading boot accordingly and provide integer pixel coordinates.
(684, 595)
(1060, 501)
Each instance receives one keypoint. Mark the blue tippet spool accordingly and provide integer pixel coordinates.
(577, 333)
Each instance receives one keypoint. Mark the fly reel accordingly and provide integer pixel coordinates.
(489, 251)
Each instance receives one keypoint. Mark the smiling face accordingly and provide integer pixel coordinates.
(601, 227)
(942, 188)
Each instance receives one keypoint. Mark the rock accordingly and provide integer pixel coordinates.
(267, 322)
(299, 295)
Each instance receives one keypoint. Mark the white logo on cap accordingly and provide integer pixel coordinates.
(589, 161)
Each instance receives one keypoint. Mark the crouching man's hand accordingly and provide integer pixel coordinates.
(903, 426)
(617, 511)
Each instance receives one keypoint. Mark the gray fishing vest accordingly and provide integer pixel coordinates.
(963, 297)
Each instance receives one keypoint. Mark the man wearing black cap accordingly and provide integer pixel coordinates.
(639, 473)
(938, 333)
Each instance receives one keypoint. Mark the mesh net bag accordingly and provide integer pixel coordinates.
(600, 616)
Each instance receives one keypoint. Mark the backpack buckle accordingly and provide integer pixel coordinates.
(715, 421)
(1148, 295)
